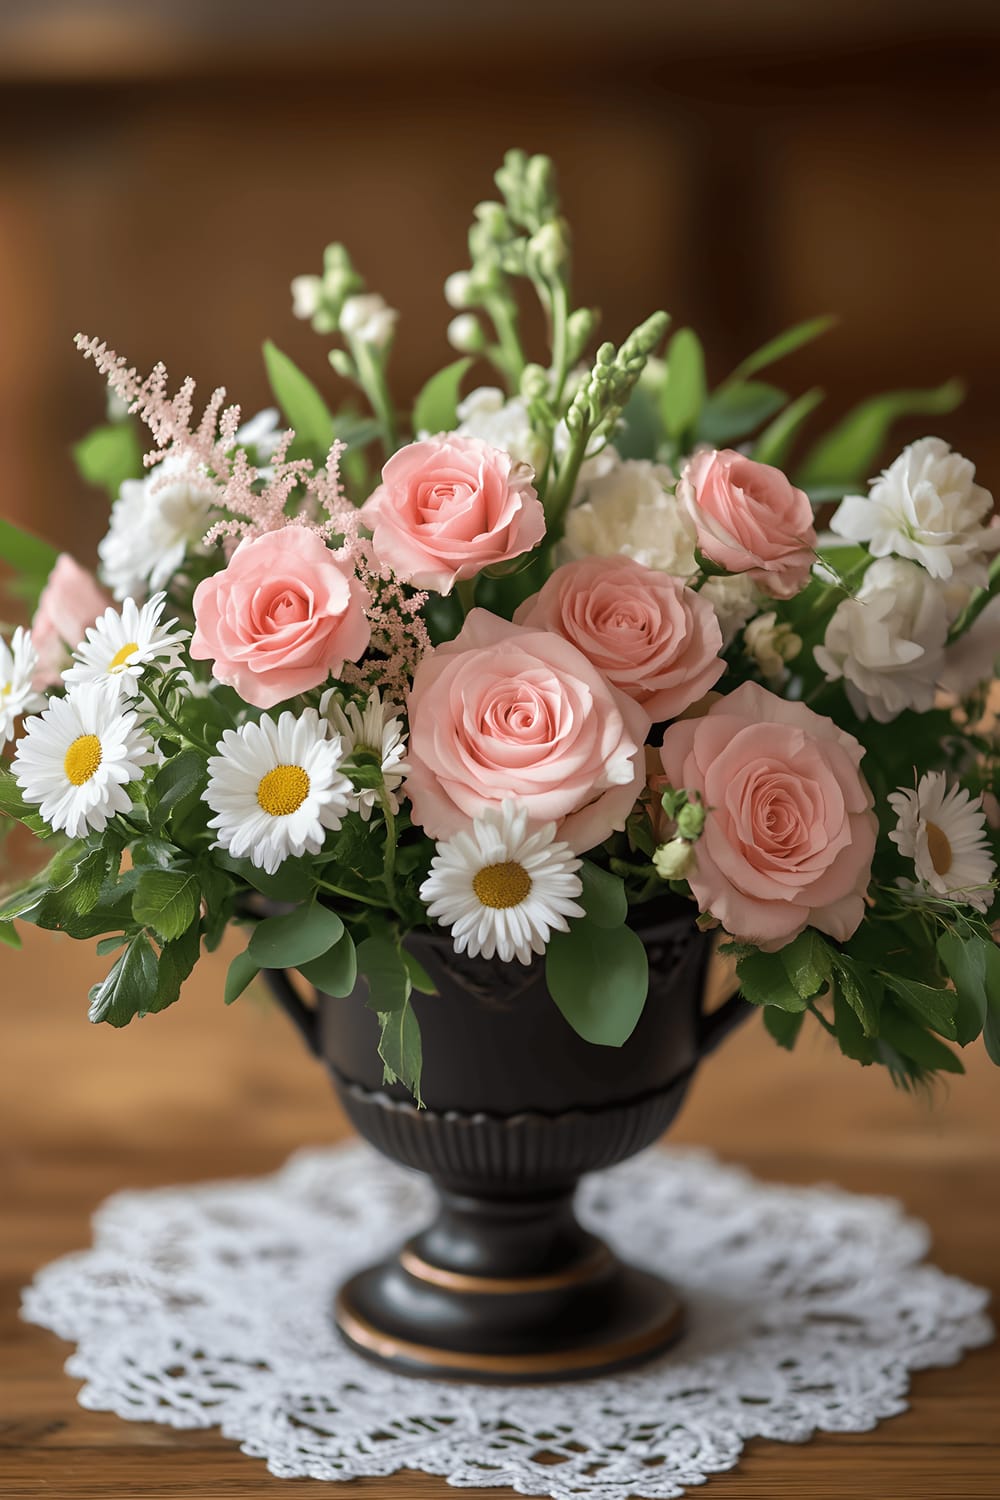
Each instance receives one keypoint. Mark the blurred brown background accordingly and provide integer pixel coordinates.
(165, 169)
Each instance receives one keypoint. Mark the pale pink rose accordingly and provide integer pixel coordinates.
(503, 713)
(790, 832)
(646, 631)
(450, 506)
(69, 603)
(280, 618)
(750, 519)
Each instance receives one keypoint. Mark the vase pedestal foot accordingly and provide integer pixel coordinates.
(507, 1292)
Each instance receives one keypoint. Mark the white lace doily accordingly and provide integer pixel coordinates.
(209, 1306)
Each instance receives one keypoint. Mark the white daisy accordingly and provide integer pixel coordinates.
(77, 759)
(944, 832)
(121, 645)
(18, 662)
(500, 889)
(276, 788)
(371, 735)
(155, 522)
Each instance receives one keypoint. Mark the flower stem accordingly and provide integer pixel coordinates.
(371, 378)
(336, 890)
(168, 718)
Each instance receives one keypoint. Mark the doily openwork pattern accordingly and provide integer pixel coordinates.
(208, 1306)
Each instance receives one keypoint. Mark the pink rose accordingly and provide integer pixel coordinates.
(450, 506)
(650, 635)
(790, 833)
(503, 713)
(750, 519)
(69, 603)
(280, 618)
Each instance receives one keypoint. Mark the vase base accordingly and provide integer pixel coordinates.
(595, 1317)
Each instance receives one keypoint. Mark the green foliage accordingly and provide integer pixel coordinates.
(400, 1049)
(130, 989)
(435, 409)
(296, 937)
(685, 389)
(733, 411)
(389, 989)
(29, 558)
(933, 1007)
(603, 897)
(781, 345)
(991, 1026)
(964, 960)
(335, 971)
(783, 1025)
(389, 983)
(808, 962)
(909, 1050)
(419, 977)
(242, 972)
(777, 439)
(166, 901)
(599, 978)
(764, 980)
(109, 455)
(847, 455)
(300, 401)
(177, 786)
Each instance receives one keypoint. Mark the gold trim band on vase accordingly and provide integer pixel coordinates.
(387, 1346)
(599, 1261)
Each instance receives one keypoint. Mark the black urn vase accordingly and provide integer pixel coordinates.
(505, 1284)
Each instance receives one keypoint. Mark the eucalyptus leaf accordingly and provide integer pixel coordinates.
(599, 978)
(603, 897)
(382, 965)
(241, 972)
(419, 977)
(436, 408)
(293, 939)
(335, 972)
(847, 455)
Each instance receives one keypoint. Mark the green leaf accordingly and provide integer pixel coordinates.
(130, 988)
(807, 961)
(735, 410)
(852, 1038)
(435, 409)
(14, 806)
(603, 898)
(863, 992)
(109, 455)
(241, 973)
(764, 981)
(775, 443)
(167, 901)
(935, 1007)
(964, 960)
(110, 945)
(419, 977)
(991, 1029)
(178, 784)
(292, 882)
(302, 404)
(911, 1039)
(335, 972)
(599, 978)
(781, 345)
(783, 1025)
(684, 389)
(288, 941)
(28, 555)
(177, 959)
(9, 935)
(88, 878)
(400, 1048)
(381, 963)
(847, 454)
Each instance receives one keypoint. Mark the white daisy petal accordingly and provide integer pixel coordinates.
(371, 734)
(18, 663)
(276, 789)
(77, 758)
(943, 830)
(501, 890)
(120, 646)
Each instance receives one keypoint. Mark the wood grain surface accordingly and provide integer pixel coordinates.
(202, 1092)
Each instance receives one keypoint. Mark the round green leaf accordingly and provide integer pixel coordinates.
(599, 978)
(289, 941)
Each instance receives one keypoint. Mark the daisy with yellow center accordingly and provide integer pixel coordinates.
(77, 759)
(373, 734)
(276, 788)
(944, 832)
(18, 662)
(501, 889)
(123, 643)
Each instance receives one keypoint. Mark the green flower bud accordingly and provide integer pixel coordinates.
(466, 335)
(580, 329)
(534, 383)
(493, 219)
(673, 861)
(548, 248)
(458, 290)
(342, 363)
(691, 820)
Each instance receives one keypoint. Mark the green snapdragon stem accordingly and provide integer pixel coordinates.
(557, 501)
(371, 377)
(504, 317)
(560, 337)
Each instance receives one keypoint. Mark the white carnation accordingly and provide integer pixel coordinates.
(628, 507)
(155, 522)
(735, 598)
(927, 507)
(487, 414)
(973, 659)
(888, 642)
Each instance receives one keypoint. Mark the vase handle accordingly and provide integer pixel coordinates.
(714, 1026)
(305, 1018)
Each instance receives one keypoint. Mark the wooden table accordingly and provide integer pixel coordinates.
(204, 1092)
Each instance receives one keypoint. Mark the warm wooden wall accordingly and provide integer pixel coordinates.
(165, 168)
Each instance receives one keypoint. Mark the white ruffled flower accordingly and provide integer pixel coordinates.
(155, 522)
(487, 414)
(373, 734)
(944, 832)
(368, 318)
(77, 759)
(771, 645)
(276, 789)
(501, 890)
(122, 644)
(628, 508)
(262, 432)
(18, 663)
(735, 598)
(974, 658)
(888, 642)
(926, 507)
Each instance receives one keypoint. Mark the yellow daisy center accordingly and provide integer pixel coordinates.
(122, 655)
(502, 885)
(82, 758)
(283, 790)
(939, 848)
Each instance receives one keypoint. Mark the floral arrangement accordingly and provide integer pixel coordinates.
(569, 649)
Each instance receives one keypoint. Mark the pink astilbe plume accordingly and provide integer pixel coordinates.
(289, 492)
